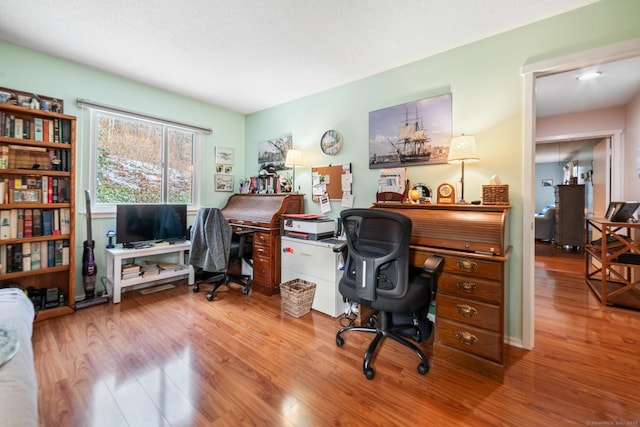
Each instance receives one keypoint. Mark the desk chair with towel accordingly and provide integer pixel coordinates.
(377, 275)
(213, 246)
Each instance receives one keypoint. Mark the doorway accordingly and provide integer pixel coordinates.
(618, 51)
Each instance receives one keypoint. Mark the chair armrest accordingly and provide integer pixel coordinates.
(242, 239)
(339, 247)
(433, 264)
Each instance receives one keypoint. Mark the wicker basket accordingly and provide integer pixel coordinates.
(297, 296)
(495, 194)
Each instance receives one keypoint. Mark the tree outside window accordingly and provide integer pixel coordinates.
(140, 161)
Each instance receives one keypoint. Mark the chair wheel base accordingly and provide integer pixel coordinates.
(423, 368)
(209, 297)
(369, 373)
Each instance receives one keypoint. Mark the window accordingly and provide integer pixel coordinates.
(141, 161)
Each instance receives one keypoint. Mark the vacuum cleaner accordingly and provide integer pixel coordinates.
(89, 266)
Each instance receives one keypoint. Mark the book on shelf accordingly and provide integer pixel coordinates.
(38, 128)
(47, 222)
(44, 254)
(130, 268)
(171, 266)
(17, 128)
(5, 224)
(37, 222)
(28, 223)
(66, 252)
(35, 256)
(149, 268)
(13, 257)
(65, 221)
(51, 253)
(20, 230)
(56, 222)
(15, 223)
(26, 256)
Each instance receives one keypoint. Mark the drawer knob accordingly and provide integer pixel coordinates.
(467, 266)
(467, 287)
(465, 310)
(466, 338)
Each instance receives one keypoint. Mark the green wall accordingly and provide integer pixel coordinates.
(487, 86)
(27, 70)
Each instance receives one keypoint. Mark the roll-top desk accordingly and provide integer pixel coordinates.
(261, 213)
(470, 299)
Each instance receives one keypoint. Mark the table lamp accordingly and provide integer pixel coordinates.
(293, 159)
(463, 149)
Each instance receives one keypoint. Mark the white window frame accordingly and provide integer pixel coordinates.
(97, 108)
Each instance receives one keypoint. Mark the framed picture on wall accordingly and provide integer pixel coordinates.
(225, 155)
(223, 182)
(411, 134)
(547, 183)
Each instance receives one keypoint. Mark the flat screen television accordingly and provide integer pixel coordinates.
(138, 223)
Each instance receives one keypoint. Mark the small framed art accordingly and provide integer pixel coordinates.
(25, 196)
(224, 182)
(225, 155)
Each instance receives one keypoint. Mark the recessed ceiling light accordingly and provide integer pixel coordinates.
(589, 75)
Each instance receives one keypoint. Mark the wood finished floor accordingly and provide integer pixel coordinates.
(174, 359)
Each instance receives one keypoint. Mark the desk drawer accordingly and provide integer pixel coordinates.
(469, 339)
(470, 287)
(261, 250)
(261, 238)
(262, 271)
(467, 311)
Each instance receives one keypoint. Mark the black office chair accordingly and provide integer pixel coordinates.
(214, 246)
(377, 275)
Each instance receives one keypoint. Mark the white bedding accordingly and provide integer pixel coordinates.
(18, 385)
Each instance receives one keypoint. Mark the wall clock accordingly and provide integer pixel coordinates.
(331, 142)
(446, 194)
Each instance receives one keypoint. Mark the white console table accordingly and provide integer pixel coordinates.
(314, 261)
(117, 255)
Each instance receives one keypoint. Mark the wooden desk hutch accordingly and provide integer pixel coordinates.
(261, 213)
(470, 300)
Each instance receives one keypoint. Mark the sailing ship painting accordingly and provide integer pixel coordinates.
(416, 133)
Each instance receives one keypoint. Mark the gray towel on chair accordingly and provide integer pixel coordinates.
(210, 240)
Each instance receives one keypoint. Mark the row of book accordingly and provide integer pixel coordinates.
(144, 269)
(35, 128)
(262, 184)
(28, 256)
(21, 223)
(38, 158)
(50, 189)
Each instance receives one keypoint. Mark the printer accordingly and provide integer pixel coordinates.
(308, 227)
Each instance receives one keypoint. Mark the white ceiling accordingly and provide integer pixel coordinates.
(248, 55)
(562, 94)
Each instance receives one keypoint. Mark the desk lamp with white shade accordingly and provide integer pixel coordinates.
(463, 150)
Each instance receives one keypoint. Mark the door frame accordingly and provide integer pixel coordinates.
(622, 50)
